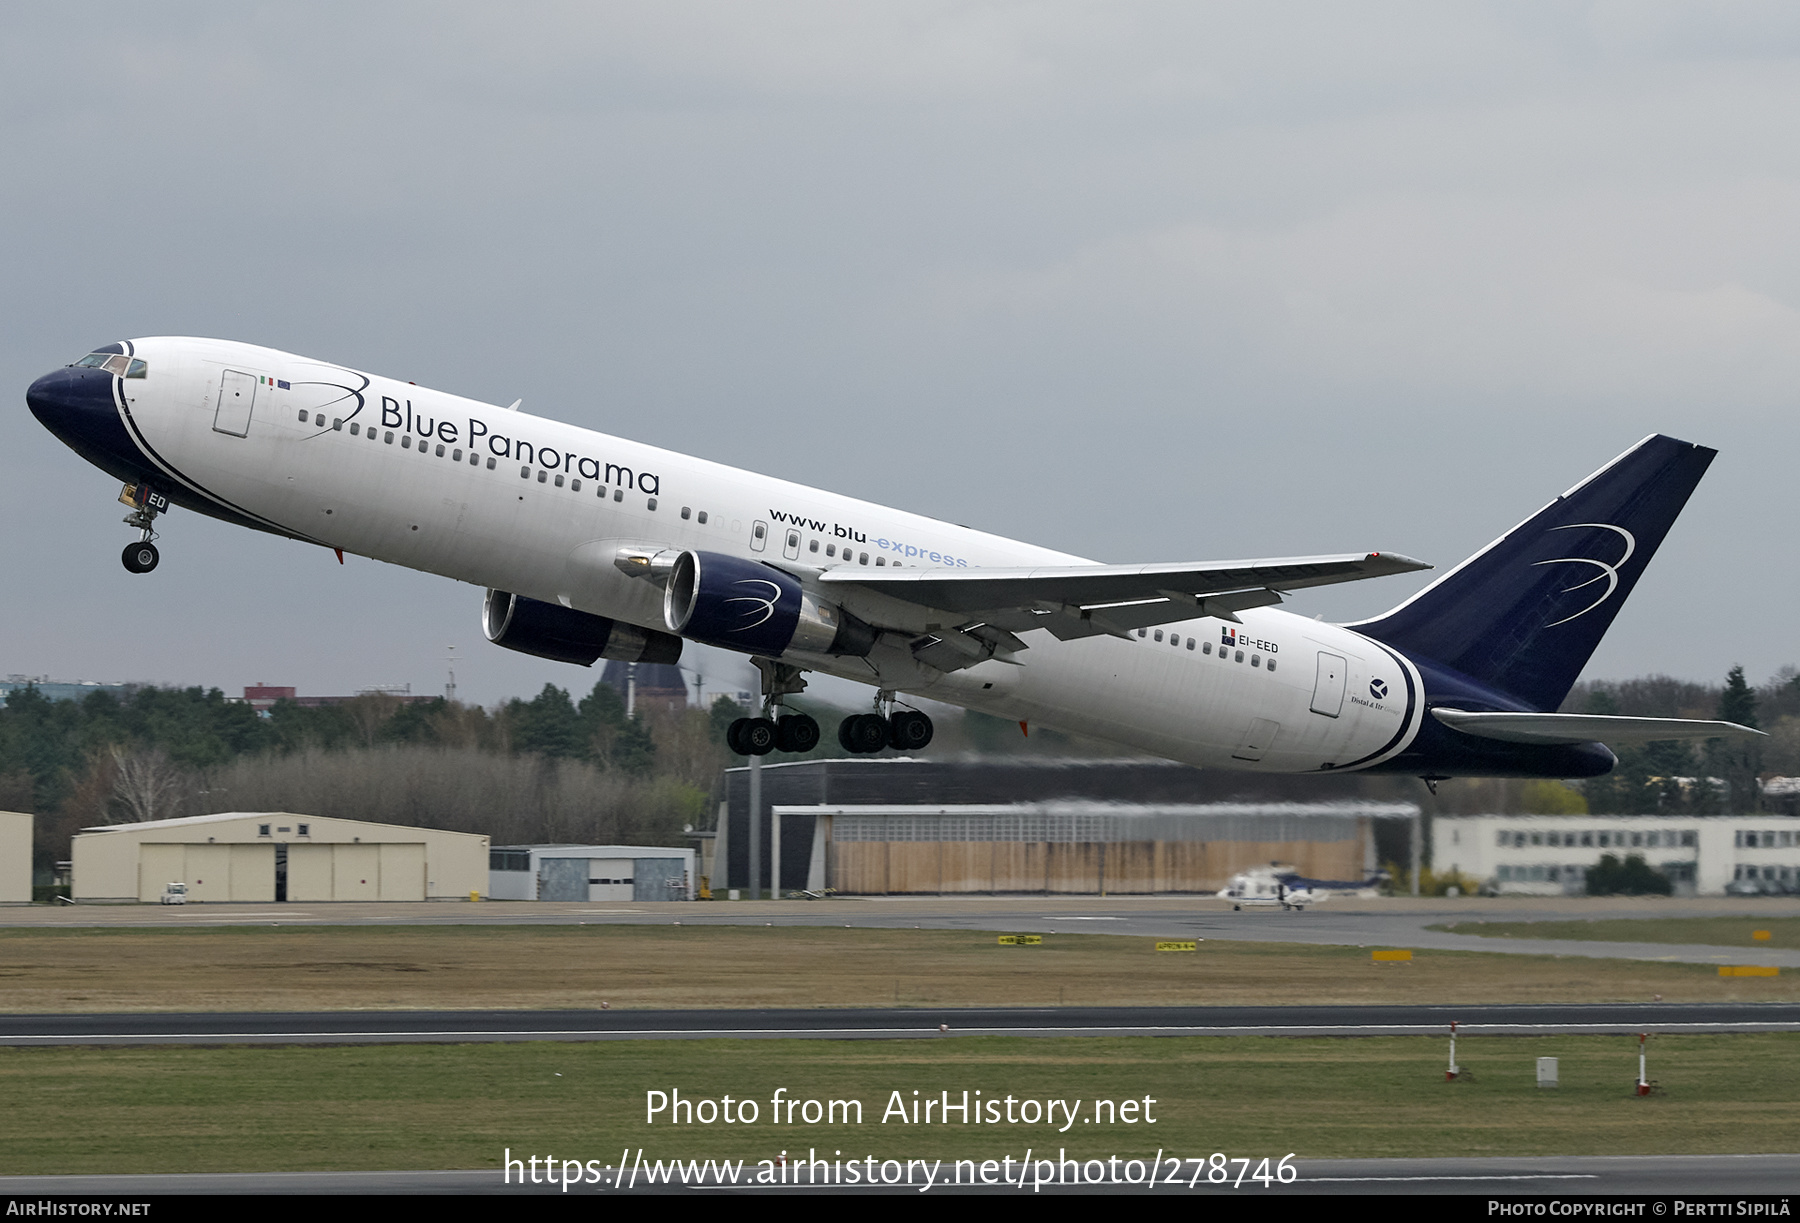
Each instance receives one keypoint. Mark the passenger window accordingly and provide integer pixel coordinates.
(880, 561)
(490, 464)
(440, 452)
(524, 473)
(652, 503)
(863, 559)
(1271, 664)
(813, 546)
(702, 517)
(686, 513)
(1256, 660)
(830, 549)
(303, 416)
(1207, 648)
(618, 494)
(337, 426)
(1190, 643)
(1159, 635)
(559, 481)
(388, 438)
(543, 476)
(355, 428)
(406, 442)
(456, 456)
(1240, 656)
(574, 486)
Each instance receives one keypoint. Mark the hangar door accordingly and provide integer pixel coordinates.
(659, 879)
(356, 872)
(211, 872)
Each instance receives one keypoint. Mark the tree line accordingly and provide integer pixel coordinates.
(558, 768)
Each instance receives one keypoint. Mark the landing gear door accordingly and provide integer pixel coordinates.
(1328, 688)
(237, 399)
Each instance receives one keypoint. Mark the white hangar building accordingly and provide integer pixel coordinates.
(15, 857)
(276, 856)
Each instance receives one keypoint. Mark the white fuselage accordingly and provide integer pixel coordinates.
(506, 500)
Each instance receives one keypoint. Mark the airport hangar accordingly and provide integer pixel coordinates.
(900, 826)
(15, 857)
(271, 856)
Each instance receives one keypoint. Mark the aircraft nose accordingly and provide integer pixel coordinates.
(76, 404)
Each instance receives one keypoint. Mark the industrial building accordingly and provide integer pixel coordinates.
(1186, 829)
(1549, 855)
(15, 858)
(276, 856)
(1069, 847)
(591, 872)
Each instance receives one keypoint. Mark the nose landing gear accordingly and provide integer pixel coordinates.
(140, 557)
(146, 503)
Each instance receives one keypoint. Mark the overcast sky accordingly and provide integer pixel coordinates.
(1143, 282)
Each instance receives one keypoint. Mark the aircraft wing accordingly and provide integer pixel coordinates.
(1585, 727)
(1074, 601)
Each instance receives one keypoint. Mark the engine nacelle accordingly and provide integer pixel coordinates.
(550, 630)
(745, 605)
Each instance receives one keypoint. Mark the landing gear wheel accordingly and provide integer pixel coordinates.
(733, 737)
(908, 730)
(757, 738)
(140, 557)
(797, 733)
(864, 733)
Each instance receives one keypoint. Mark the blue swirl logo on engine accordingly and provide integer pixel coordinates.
(767, 605)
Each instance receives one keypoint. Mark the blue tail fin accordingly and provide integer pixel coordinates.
(1525, 614)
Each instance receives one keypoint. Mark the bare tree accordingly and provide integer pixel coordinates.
(148, 785)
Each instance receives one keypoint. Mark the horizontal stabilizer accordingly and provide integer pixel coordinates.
(1585, 727)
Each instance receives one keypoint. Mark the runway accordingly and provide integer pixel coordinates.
(460, 1027)
(1565, 1177)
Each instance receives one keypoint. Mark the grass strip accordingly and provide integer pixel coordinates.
(241, 1109)
(305, 968)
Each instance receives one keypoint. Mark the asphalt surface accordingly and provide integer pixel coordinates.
(1734, 1177)
(460, 1027)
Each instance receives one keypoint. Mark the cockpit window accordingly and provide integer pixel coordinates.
(118, 363)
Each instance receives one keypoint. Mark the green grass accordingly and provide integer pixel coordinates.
(1784, 932)
(88, 1110)
(306, 968)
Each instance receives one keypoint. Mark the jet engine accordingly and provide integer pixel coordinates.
(744, 605)
(550, 630)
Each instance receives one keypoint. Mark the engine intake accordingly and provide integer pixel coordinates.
(549, 630)
(747, 606)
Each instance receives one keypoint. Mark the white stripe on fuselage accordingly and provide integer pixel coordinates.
(497, 528)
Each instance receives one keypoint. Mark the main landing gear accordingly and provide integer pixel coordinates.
(145, 504)
(904, 730)
(774, 731)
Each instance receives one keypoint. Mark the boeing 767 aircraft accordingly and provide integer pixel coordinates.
(592, 547)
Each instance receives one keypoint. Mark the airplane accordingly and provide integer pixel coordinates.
(1281, 886)
(590, 546)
